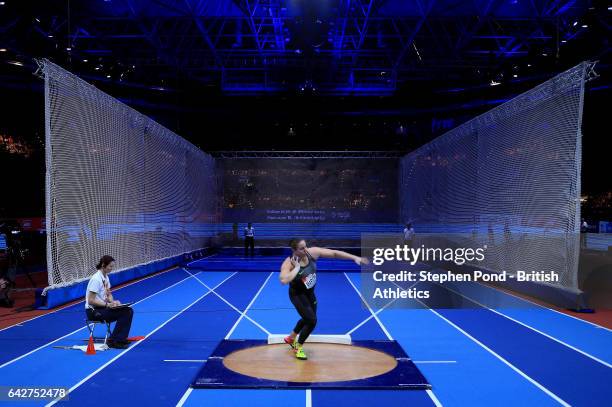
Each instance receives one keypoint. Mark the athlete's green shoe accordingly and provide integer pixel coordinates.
(299, 352)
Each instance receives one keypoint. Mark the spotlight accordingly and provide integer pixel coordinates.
(85, 60)
(2, 49)
(494, 83)
(564, 41)
(585, 26)
(515, 76)
(108, 76)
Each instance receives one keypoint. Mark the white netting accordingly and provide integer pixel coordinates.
(508, 179)
(118, 183)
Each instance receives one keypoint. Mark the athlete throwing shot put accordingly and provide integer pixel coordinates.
(300, 272)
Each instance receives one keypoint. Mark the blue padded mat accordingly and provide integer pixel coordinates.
(405, 376)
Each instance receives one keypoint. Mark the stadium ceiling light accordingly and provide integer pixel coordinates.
(494, 83)
(585, 26)
(16, 63)
(2, 49)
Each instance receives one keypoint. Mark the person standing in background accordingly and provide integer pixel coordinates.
(249, 240)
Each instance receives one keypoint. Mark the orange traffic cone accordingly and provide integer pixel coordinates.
(91, 349)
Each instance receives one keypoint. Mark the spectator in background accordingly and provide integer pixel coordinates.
(249, 240)
(584, 228)
(408, 234)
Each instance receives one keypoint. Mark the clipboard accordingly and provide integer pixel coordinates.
(127, 304)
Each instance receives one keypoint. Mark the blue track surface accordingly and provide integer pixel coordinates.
(527, 356)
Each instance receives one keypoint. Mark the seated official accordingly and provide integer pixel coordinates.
(101, 306)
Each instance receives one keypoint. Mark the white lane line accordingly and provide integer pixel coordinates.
(243, 314)
(430, 393)
(137, 343)
(190, 389)
(434, 398)
(492, 352)
(377, 312)
(185, 360)
(308, 398)
(546, 308)
(184, 398)
(369, 308)
(530, 327)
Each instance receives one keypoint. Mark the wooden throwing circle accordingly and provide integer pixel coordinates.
(327, 362)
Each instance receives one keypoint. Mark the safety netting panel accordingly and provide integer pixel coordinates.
(118, 183)
(507, 180)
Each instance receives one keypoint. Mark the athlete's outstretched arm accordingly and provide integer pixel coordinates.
(336, 254)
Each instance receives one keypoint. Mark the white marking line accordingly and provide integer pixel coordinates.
(243, 314)
(434, 361)
(510, 365)
(82, 301)
(308, 398)
(429, 392)
(190, 389)
(369, 308)
(80, 329)
(138, 343)
(185, 360)
(378, 312)
(434, 398)
(532, 328)
(546, 308)
(184, 398)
